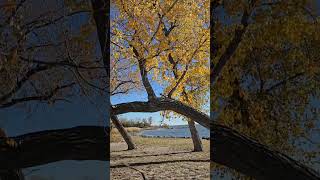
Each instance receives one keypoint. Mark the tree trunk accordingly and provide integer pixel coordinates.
(236, 151)
(197, 144)
(43, 147)
(123, 132)
(161, 104)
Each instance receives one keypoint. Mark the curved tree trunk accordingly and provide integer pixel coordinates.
(161, 104)
(43, 147)
(123, 132)
(197, 144)
(236, 151)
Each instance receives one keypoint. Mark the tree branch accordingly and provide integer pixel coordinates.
(144, 74)
(23, 80)
(233, 45)
(179, 81)
(35, 98)
(175, 68)
(121, 84)
(284, 81)
(60, 63)
(49, 22)
(160, 21)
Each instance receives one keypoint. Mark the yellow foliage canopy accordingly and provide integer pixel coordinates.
(172, 37)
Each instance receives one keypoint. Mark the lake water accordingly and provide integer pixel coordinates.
(176, 131)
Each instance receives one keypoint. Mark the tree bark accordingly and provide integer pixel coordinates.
(197, 144)
(43, 147)
(123, 132)
(161, 104)
(236, 151)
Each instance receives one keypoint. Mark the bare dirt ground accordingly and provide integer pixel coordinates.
(159, 158)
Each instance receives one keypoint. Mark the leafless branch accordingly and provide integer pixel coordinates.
(291, 78)
(46, 97)
(23, 80)
(60, 63)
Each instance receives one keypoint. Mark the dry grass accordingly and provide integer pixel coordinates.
(173, 143)
(133, 129)
(115, 136)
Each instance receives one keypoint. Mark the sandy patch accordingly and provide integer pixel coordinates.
(159, 158)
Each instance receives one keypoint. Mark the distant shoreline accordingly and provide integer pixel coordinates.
(138, 132)
(165, 136)
(185, 137)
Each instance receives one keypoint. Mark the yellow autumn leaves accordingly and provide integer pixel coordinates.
(159, 29)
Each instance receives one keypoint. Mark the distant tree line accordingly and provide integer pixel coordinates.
(141, 123)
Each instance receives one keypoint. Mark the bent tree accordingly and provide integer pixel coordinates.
(67, 59)
(161, 48)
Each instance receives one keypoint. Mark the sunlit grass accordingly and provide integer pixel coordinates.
(115, 136)
(174, 143)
